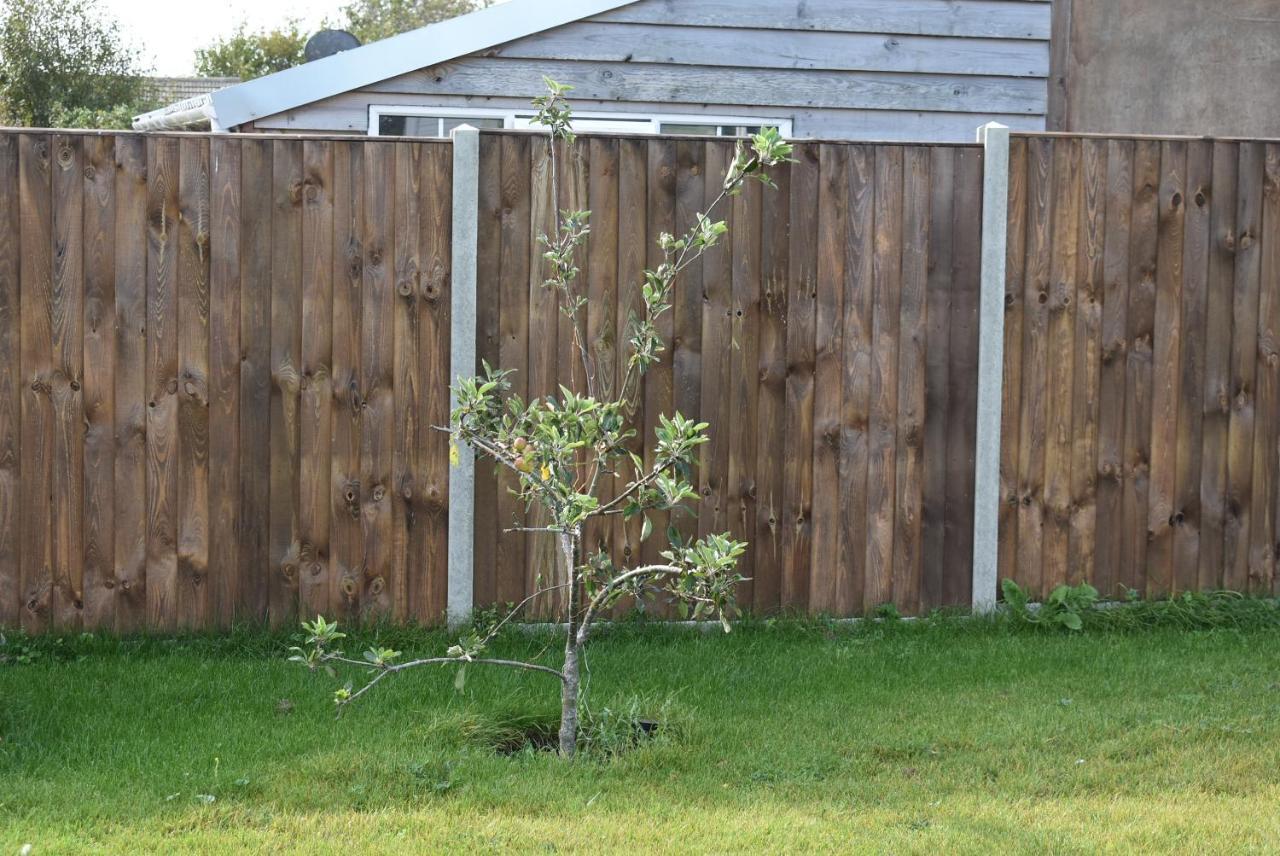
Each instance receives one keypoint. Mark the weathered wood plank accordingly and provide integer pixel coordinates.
(428, 587)
(855, 379)
(511, 291)
(224, 379)
(743, 393)
(11, 391)
(1060, 334)
(912, 370)
(1011, 410)
(1216, 400)
(828, 402)
(99, 392)
(193, 383)
(1166, 353)
(1195, 274)
(1266, 434)
(1032, 421)
(256, 168)
(317, 391)
(66, 325)
(717, 332)
(687, 308)
(346, 555)
(1144, 240)
(1086, 374)
(962, 404)
(619, 81)
(488, 271)
(797, 472)
(882, 435)
(35, 209)
(408, 390)
(130, 511)
(1108, 534)
(377, 380)
(1014, 20)
(798, 49)
(162, 381)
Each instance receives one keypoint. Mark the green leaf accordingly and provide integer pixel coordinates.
(646, 528)
(1071, 621)
(460, 680)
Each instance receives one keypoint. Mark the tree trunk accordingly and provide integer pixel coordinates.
(569, 687)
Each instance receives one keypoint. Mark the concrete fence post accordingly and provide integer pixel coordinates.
(462, 363)
(986, 490)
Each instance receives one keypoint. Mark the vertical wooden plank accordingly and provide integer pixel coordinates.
(255, 378)
(11, 393)
(541, 553)
(1060, 333)
(1108, 534)
(286, 362)
(193, 383)
(1086, 373)
(66, 325)
(99, 391)
(797, 474)
(317, 392)
(687, 308)
(855, 379)
(407, 386)
(1266, 435)
(717, 332)
(224, 379)
(658, 391)
(1166, 347)
(633, 240)
(347, 534)
(828, 403)
(882, 435)
(1033, 427)
(513, 334)
(428, 586)
(36, 274)
(962, 404)
(1144, 240)
(377, 343)
(602, 298)
(1011, 406)
(130, 512)
(162, 381)
(488, 295)
(934, 560)
(744, 377)
(907, 531)
(1189, 449)
(1216, 401)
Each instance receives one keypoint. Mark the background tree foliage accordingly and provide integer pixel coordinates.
(248, 54)
(370, 20)
(62, 62)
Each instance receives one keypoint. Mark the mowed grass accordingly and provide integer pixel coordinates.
(934, 737)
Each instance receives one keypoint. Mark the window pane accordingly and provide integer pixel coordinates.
(391, 126)
(473, 121)
(701, 130)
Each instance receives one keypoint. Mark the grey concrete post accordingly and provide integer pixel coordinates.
(462, 363)
(986, 490)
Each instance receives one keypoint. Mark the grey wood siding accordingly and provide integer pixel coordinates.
(839, 69)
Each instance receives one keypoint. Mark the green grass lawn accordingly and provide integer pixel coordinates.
(923, 737)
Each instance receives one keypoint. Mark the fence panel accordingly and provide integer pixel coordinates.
(1142, 370)
(831, 342)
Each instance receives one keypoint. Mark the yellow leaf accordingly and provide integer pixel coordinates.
(546, 472)
(454, 457)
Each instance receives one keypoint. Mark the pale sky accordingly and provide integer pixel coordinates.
(169, 31)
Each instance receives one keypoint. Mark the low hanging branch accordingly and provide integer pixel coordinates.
(559, 447)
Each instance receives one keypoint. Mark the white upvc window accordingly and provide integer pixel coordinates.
(400, 120)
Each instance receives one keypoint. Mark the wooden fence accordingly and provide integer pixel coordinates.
(1141, 433)
(831, 343)
(219, 360)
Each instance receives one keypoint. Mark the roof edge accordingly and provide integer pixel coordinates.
(392, 57)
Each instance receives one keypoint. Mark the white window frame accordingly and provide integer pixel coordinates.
(606, 122)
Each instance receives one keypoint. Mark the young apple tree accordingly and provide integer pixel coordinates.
(561, 447)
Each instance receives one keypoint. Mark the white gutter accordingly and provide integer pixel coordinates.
(195, 113)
